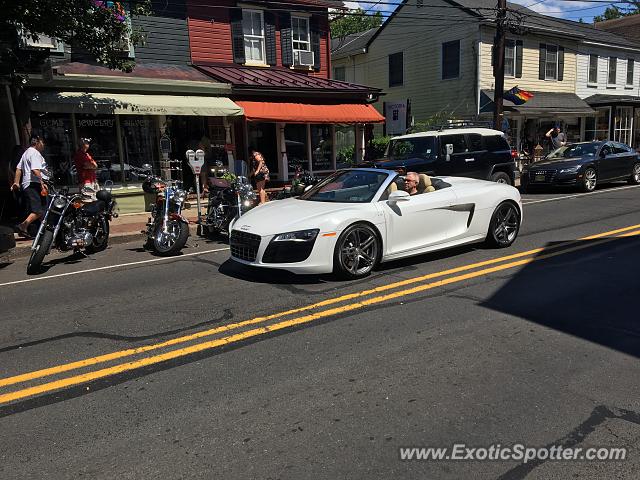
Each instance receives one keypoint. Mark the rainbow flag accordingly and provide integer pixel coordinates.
(518, 96)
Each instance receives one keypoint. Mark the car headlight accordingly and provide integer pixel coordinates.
(60, 203)
(570, 169)
(299, 236)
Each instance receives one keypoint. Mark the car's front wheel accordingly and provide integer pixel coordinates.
(504, 225)
(357, 251)
(589, 180)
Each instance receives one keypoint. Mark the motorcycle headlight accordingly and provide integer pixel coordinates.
(180, 196)
(60, 203)
(299, 236)
(570, 169)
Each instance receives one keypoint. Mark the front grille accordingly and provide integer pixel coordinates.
(549, 175)
(244, 246)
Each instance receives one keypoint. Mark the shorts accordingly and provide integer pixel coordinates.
(33, 201)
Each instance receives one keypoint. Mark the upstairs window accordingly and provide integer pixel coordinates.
(253, 30)
(551, 63)
(339, 73)
(613, 71)
(510, 58)
(396, 69)
(593, 69)
(451, 59)
(300, 34)
(630, 71)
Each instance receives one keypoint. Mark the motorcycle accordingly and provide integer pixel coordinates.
(72, 222)
(167, 230)
(302, 181)
(227, 200)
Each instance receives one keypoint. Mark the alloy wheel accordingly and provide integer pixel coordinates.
(359, 251)
(590, 179)
(636, 173)
(506, 227)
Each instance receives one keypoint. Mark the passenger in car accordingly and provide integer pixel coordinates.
(411, 180)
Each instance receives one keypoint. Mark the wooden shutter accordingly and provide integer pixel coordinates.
(541, 65)
(237, 36)
(315, 41)
(560, 63)
(286, 45)
(270, 38)
(518, 59)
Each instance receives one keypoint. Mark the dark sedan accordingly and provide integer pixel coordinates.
(584, 165)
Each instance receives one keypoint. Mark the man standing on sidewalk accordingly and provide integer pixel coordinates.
(29, 176)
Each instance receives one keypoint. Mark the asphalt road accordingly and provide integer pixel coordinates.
(124, 365)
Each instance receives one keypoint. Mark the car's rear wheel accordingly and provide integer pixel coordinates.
(589, 180)
(634, 179)
(357, 251)
(501, 177)
(504, 225)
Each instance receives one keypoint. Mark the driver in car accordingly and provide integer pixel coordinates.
(411, 180)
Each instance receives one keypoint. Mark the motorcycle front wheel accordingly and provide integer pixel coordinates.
(171, 242)
(38, 254)
(100, 237)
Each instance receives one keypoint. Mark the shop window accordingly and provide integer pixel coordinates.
(101, 129)
(451, 59)
(57, 131)
(623, 121)
(321, 148)
(139, 135)
(295, 137)
(597, 127)
(262, 137)
(253, 30)
(345, 146)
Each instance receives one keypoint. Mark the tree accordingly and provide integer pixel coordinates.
(614, 12)
(96, 27)
(354, 21)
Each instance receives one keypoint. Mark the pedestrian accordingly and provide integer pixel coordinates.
(86, 166)
(28, 179)
(557, 137)
(260, 173)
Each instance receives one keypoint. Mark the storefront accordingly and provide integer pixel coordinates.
(128, 131)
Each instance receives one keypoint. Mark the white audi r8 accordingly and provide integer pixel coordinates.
(356, 218)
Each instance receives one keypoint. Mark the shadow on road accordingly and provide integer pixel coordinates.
(592, 293)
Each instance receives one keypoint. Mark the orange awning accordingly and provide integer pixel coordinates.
(307, 113)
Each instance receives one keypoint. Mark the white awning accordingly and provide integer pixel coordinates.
(133, 104)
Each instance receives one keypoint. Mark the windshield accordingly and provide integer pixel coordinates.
(419, 147)
(347, 186)
(576, 150)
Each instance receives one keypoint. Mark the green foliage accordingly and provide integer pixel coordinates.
(378, 147)
(88, 25)
(354, 21)
(440, 118)
(613, 12)
(346, 154)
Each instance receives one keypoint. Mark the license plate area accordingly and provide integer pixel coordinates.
(541, 177)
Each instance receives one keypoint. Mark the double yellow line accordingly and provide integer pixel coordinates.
(494, 265)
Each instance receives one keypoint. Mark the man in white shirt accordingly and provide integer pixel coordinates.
(28, 178)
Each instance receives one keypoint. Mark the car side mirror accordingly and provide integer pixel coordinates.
(449, 150)
(399, 196)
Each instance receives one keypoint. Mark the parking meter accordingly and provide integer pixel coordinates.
(196, 161)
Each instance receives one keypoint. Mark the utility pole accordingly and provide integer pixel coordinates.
(498, 67)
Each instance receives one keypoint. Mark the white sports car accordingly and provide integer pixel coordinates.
(356, 218)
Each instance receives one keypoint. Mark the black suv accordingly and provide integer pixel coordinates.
(464, 152)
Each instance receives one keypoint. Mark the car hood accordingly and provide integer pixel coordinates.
(291, 214)
(559, 162)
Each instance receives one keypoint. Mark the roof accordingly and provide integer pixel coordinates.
(601, 99)
(435, 133)
(141, 70)
(484, 10)
(542, 102)
(626, 26)
(351, 44)
(280, 80)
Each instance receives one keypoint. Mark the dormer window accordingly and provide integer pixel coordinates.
(253, 30)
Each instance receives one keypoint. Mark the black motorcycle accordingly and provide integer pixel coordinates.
(227, 200)
(167, 230)
(72, 222)
(300, 182)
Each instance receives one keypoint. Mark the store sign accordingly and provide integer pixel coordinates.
(96, 122)
(396, 117)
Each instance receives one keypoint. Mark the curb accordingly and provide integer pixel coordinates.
(24, 250)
